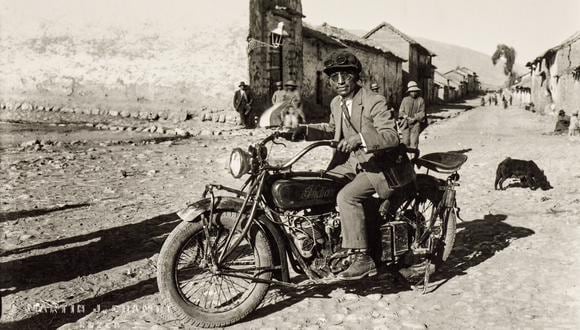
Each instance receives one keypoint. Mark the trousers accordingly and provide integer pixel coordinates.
(350, 201)
(410, 136)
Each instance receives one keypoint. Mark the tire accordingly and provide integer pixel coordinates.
(445, 225)
(187, 240)
(445, 244)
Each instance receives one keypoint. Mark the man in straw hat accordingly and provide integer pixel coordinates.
(411, 114)
(364, 128)
(243, 103)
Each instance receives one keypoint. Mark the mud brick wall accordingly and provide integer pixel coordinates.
(553, 81)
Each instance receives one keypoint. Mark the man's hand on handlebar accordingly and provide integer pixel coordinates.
(349, 144)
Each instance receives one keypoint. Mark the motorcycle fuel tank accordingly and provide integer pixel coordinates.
(304, 192)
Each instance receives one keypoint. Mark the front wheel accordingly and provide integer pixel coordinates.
(202, 294)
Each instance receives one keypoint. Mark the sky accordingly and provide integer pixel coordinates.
(530, 26)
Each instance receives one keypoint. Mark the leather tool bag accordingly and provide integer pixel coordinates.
(398, 168)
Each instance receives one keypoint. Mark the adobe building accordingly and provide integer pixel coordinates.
(460, 78)
(418, 67)
(555, 77)
(380, 65)
(301, 54)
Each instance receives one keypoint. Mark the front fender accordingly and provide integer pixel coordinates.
(194, 210)
(275, 234)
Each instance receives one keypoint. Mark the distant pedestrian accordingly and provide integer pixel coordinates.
(411, 114)
(483, 101)
(562, 123)
(243, 99)
(511, 99)
(495, 100)
(574, 128)
(375, 87)
(489, 99)
(505, 102)
(278, 96)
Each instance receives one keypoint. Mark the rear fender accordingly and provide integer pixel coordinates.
(193, 211)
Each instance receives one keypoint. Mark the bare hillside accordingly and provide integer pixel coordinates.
(450, 56)
(144, 66)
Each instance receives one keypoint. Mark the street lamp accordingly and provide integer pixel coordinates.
(277, 38)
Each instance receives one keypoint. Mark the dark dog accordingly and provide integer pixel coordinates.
(526, 171)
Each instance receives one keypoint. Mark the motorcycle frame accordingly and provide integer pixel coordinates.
(254, 197)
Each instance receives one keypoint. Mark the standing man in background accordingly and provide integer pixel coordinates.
(412, 113)
(243, 104)
(278, 96)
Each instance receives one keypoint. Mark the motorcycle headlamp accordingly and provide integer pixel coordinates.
(240, 163)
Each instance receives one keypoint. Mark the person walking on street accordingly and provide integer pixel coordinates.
(243, 104)
(574, 128)
(412, 113)
(483, 101)
(365, 131)
(278, 96)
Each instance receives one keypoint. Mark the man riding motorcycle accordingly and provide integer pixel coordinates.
(365, 129)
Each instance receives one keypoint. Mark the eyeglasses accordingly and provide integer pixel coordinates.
(341, 76)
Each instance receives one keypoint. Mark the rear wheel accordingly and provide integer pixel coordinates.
(419, 211)
(204, 295)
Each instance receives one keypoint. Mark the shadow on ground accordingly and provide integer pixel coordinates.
(109, 248)
(9, 216)
(476, 242)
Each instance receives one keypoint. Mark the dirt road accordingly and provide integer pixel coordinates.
(82, 226)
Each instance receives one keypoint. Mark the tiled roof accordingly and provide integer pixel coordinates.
(310, 31)
(347, 37)
(398, 32)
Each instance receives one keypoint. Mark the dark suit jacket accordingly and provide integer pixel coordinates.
(376, 123)
(241, 104)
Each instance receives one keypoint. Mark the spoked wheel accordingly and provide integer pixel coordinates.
(442, 235)
(202, 293)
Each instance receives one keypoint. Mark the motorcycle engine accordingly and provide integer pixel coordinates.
(314, 235)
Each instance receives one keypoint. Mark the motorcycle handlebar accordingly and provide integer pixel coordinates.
(289, 163)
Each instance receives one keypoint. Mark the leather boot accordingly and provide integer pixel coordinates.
(363, 265)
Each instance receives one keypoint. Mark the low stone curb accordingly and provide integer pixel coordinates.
(219, 116)
(222, 117)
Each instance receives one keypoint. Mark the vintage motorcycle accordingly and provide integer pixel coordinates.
(217, 265)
